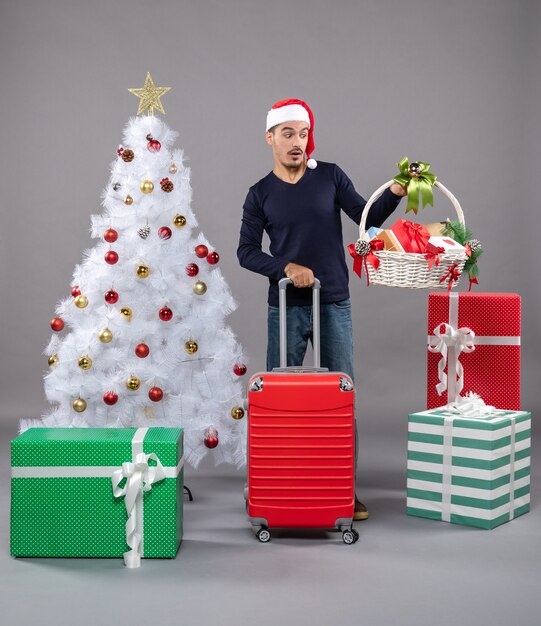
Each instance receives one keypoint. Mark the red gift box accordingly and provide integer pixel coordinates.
(474, 345)
(412, 237)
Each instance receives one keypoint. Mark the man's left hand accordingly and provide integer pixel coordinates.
(399, 190)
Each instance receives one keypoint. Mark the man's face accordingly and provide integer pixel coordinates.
(288, 142)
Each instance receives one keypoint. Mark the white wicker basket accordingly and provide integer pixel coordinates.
(408, 269)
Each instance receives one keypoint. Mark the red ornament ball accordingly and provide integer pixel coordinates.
(57, 324)
(142, 350)
(211, 437)
(165, 314)
(239, 369)
(192, 269)
(211, 442)
(201, 251)
(111, 257)
(213, 258)
(111, 296)
(154, 145)
(110, 398)
(110, 235)
(155, 394)
(164, 232)
(75, 291)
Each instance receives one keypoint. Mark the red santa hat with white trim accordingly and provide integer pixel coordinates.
(293, 110)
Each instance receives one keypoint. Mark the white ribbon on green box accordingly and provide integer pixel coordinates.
(450, 341)
(139, 475)
(457, 475)
(473, 406)
(447, 469)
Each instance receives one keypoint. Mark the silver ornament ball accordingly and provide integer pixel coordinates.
(415, 169)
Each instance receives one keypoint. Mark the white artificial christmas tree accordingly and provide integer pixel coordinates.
(142, 340)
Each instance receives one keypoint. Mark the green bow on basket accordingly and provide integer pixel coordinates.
(419, 181)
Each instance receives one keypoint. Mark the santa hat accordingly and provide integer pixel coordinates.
(293, 110)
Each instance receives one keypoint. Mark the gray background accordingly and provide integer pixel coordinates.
(455, 83)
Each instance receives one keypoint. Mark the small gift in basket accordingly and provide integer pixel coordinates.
(407, 254)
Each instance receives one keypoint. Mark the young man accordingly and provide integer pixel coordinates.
(299, 206)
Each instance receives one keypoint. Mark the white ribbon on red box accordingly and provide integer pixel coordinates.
(450, 342)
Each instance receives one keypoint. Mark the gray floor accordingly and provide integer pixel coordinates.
(404, 570)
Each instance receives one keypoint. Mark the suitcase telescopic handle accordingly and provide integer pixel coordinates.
(282, 286)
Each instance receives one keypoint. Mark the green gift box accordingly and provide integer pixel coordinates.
(94, 492)
(473, 471)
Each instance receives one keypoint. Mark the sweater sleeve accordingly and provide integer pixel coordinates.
(249, 252)
(352, 203)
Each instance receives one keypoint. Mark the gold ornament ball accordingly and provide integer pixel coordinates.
(147, 186)
(143, 271)
(199, 288)
(133, 383)
(191, 346)
(128, 200)
(179, 221)
(105, 335)
(85, 362)
(172, 168)
(237, 413)
(53, 360)
(79, 405)
(81, 301)
(126, 312)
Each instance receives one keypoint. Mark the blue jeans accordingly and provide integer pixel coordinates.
(336, 336)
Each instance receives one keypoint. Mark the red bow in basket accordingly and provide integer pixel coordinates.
(363, 252)
(416, 235)
(453, 274)
(433, 255)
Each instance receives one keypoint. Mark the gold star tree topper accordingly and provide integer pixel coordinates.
(149, 96)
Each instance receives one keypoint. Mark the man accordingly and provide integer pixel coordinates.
(298, 205)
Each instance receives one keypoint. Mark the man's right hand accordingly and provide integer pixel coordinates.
(300, 275)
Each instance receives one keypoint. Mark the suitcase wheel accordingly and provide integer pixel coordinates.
(350, 536)
(264, 535)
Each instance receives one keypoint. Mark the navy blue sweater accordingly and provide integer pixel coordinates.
(304, 226)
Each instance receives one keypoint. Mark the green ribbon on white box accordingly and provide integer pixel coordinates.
(139, 475)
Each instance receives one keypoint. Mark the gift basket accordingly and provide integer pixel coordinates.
(411, 255)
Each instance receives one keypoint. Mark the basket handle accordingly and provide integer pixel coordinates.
(380, 190)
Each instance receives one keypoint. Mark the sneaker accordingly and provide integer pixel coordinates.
(360, 512)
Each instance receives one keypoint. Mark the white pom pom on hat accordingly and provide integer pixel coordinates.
(293, 110)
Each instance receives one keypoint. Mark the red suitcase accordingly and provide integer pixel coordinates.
(301, 443)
